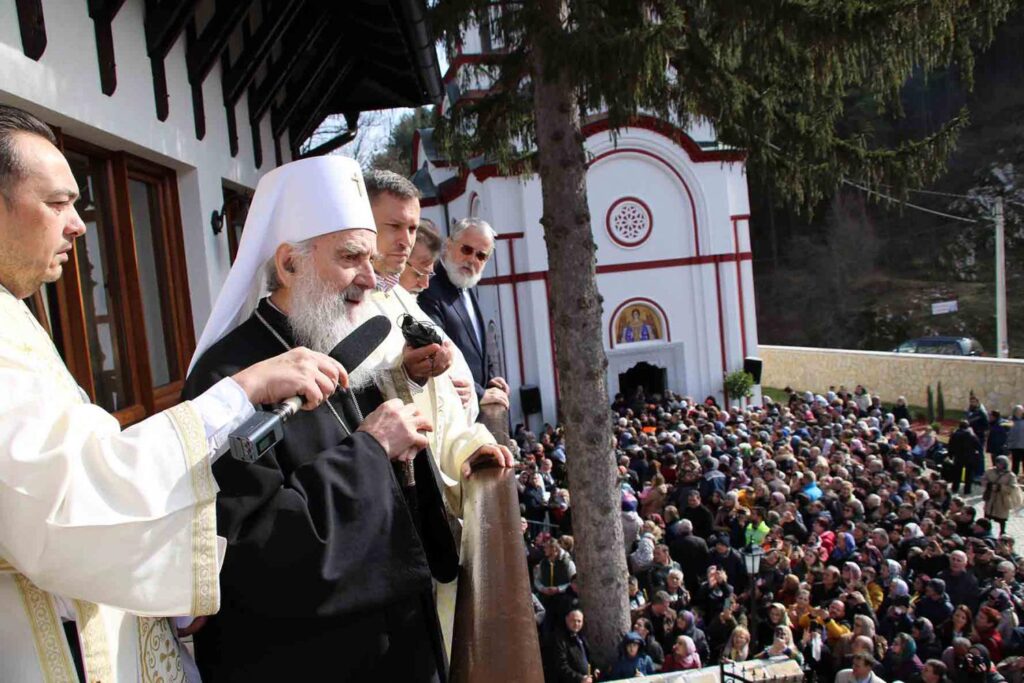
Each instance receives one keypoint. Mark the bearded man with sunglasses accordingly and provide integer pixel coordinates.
(451, 302)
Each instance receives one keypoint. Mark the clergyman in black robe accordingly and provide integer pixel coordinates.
(325, 573)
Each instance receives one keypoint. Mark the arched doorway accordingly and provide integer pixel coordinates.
(652, 378)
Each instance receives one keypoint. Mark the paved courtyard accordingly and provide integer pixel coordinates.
(1014, 526)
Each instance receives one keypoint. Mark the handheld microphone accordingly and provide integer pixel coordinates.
(264, 430)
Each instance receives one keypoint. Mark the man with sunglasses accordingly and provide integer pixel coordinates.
(451, 302)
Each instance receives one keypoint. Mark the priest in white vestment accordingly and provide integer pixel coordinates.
(113, 530)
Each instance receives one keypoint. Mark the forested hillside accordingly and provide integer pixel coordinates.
(861, 273)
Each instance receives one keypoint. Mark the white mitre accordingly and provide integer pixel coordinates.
(293, 203)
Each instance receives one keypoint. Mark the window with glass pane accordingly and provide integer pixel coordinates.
(97, 266)
(148, 228)
(43, 305)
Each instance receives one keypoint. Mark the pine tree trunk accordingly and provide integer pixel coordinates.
(580, 358)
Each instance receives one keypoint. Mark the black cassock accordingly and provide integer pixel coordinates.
(326, 576)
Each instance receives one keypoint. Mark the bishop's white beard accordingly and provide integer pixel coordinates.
(320, 317)
(458, 276)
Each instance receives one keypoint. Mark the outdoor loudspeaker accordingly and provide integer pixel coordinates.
(529, 397)
(752, 364)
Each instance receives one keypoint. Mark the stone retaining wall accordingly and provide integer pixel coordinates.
(999, 383)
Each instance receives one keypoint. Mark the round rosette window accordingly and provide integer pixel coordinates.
(629, 222)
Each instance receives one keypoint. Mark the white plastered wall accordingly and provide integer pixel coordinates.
(63, 87)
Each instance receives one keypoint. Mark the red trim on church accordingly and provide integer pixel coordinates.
(629, 302)
(721, 323)
(515, 309)
(551, 336)
(739, 279)
(415, 152)
(460, 60)
(628, 267)
(696, 153)
(454, 187)
(675, 172)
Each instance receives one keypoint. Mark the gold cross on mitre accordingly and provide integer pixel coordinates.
(358, 180)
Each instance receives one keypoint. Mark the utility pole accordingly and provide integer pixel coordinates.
(1002, 348)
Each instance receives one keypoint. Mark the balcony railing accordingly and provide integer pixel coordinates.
(495, 635)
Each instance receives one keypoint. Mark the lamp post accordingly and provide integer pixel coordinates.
(752, 555)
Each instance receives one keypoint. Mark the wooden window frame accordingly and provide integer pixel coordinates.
(125, 288)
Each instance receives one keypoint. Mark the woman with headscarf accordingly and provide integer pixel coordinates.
(844, 550)
(928, 645)
(1001, 493)
(851, 574)
(777, 616)
(782, 646)
(999, 599)
(684, 656)
(891, 571)
(901, 662)
(686, 625)
(913, 537)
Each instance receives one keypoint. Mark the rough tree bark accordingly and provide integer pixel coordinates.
(580, 358)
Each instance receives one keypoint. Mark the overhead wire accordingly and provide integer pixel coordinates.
(917, 207)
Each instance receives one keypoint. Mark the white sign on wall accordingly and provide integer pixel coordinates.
(942, 307)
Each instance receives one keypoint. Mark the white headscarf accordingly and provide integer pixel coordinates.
(293, 203)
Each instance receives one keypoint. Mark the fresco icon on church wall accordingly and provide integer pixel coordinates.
(638, 322)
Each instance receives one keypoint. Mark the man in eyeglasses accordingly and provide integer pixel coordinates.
(434, 377)
(452, 303)
(420, 268)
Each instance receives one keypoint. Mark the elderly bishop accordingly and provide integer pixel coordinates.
(104, 533)
(330, 557)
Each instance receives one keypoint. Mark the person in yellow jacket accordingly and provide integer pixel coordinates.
(833, 620)
(872, 589)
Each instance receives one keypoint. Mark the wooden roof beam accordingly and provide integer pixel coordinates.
(319, 108)
(303, 36)
(102, 13)
(165, 20)
(32, 27)
(202, 53)
(239, 75)
(281, 117)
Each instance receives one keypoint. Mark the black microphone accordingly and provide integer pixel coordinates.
(262, 431)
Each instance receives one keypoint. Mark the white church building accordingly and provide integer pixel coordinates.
(670, 216)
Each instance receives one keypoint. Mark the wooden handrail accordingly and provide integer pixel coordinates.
(495, 634)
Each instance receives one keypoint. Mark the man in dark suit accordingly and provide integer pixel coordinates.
(964, 450)
(568, 653)
(451, 302)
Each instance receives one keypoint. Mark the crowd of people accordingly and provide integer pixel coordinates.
(873, 567)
